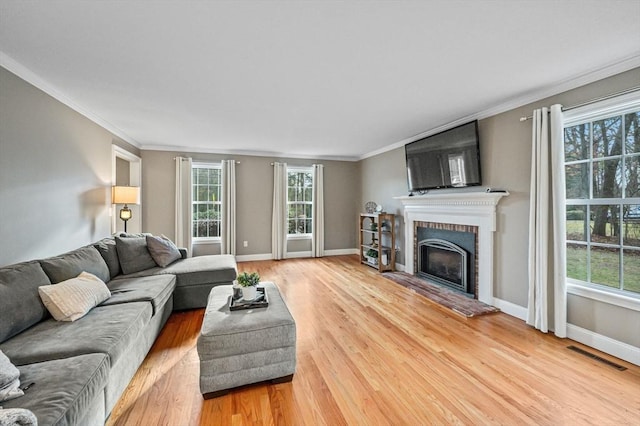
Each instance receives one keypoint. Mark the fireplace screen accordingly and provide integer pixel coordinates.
(443, 262)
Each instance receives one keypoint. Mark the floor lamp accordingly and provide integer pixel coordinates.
(125, 195)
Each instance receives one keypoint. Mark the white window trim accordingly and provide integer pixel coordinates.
(615, 106)
(610, 296)
(306, 169)
(205, 240)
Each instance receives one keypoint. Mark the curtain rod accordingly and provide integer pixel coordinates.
(315, 164)
(188, 158)
(593, 101)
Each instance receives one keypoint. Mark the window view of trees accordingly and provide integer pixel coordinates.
(602, 169)
(207, 182)
(299, 202)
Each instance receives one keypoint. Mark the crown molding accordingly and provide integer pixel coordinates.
(525, 99)
(32, 78)
(272, 154)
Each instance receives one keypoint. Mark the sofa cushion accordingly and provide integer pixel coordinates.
(155, 289)
(107, 249)
(133, 254)
(71, 264)
(203, 270)
(163, 251)
(20, 305)
(106, 329)
(64, 389)
(71, 299)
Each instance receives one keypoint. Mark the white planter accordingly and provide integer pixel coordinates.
(249, 293)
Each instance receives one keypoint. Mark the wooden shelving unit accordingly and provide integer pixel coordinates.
(377, 236)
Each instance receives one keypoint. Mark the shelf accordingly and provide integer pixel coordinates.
(382, 240)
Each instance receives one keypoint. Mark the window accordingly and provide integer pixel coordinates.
(207, 205)
(299, 201)
(602, 169)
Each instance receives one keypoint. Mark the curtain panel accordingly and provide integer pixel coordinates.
(228, 231)
(317, 239)
(279, 219)
(184, 234)
(547, 304)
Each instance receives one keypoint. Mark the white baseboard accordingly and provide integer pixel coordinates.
(340, 252)
(510, 308)
(605, 344)
(252, 257)
(294, 255)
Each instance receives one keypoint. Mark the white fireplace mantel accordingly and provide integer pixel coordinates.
(459, 208)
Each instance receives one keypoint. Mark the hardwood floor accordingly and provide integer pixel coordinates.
(371, 352)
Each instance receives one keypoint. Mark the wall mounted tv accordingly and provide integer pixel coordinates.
(449, 159)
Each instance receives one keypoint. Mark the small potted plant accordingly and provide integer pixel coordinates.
(248, 282)
(372, 256)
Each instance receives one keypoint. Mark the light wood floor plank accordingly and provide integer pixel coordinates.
(373, 352)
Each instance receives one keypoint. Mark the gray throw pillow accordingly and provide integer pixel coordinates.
(163, 250)
(133, 254)
(69, 265)
(108, 251)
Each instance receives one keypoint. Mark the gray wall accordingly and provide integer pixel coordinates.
(254, 192)
(506, 164)
(55, 174)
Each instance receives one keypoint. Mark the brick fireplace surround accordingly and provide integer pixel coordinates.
(476, 209)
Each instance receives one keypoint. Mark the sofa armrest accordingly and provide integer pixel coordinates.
(183, 253)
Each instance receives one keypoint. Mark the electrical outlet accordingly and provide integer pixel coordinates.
(245, 244)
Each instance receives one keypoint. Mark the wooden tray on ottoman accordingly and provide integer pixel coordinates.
(261, 301)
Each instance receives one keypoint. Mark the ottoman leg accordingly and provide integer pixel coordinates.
(283, 379)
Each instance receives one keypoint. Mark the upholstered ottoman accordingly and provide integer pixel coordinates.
(246, 346)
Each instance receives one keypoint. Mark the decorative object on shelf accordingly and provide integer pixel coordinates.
(248, 282)
(379, 208)
(370, 206)
(374, 226)
(372, 257)
(125, 195)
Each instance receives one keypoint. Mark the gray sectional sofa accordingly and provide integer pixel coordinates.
(80, 369)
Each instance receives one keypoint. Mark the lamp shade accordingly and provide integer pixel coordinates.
(125, 195)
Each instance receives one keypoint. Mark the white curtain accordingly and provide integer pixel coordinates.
(279, 222)
(547, 306)
(183, 204)
(228, 234)
(317, 239)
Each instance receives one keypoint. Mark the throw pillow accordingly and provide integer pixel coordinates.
(133, 254)
(9, 379)
(72, 299)
(163, 250)
(109, 252)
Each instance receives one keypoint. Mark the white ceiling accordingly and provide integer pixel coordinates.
(319, 79)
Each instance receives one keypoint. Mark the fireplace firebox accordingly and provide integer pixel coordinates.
(444, 262)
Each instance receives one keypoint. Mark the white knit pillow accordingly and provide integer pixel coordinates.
(73, 298)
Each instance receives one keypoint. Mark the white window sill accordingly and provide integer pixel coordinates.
(622, 300)
(203, 241)
(299, 236)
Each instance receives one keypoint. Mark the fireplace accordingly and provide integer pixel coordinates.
(444, 262)
(472, 210)
(446, 254)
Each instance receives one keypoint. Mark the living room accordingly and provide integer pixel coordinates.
(57, 160)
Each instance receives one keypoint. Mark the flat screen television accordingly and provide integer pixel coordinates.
(449, 159)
